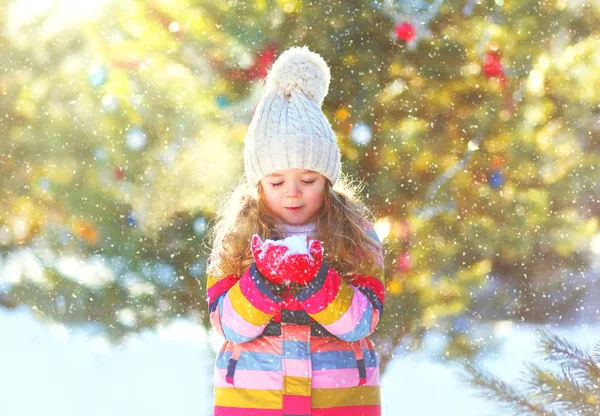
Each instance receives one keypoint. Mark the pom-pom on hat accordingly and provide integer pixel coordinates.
(288, 129)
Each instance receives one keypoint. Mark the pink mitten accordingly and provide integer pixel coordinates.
(278, 264)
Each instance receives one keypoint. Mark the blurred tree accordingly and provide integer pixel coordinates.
(474, 125)
(572, 391)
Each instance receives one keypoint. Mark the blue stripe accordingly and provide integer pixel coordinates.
(251, 361)
(375, 301)
(259, 281)
(295, 349)
(341, 359)
(362, 328)
(229, 333)
(215, 303)
(315, 284)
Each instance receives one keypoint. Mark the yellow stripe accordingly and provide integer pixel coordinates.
(211, 280)
(338, 307)
(299, 386)
(248, 398)
(351, 396)
(245, 309)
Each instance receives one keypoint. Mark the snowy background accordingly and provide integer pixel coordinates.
(475, 125)
(51, 370)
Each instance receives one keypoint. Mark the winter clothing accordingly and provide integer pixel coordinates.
(278, 264)
(303, 354)
(306, 352)
(288, 129)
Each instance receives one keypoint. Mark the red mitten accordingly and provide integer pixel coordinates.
(267, 257)
(303, 267)
(278, 264)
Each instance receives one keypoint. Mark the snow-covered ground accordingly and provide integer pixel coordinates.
(47, 369)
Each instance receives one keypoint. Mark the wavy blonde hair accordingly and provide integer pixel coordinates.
(344, 226)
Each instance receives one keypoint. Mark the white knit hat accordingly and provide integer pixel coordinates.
(288, 129)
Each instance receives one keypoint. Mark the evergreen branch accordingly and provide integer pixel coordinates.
(502, 392)
(561, 350)
(564, 390)
(597, 353)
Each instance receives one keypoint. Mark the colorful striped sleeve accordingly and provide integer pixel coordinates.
(348, 310)
(241, 308)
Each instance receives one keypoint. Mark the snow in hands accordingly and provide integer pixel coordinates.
(295, 244)
(288, 260)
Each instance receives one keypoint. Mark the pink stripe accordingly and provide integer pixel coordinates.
(326, 293)
(342, 377)
(374, 410)
(296, 404)
(250, 379)
(215, 321)
(237, 411)
(295, 368)
(254, 296)
(351, 317)
(236, 323)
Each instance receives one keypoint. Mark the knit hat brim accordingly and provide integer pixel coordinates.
(293, 151)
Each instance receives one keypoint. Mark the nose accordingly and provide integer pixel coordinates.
(293, 190)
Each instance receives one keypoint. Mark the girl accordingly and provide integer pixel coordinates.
(299, 348)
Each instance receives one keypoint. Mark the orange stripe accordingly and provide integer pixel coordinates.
(295, 332)
(260, 344)
(317, 344)
(324, 344)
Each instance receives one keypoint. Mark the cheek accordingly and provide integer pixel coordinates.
(272, 199)
(317, 197)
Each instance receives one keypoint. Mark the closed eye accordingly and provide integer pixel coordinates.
(275, 185)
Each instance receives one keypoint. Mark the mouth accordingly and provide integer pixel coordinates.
(293, 208)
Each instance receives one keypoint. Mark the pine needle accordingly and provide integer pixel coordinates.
(507, 396)
(558, 349)
(563, 390)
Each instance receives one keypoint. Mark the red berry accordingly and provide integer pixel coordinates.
(405, 31)
(492, 67)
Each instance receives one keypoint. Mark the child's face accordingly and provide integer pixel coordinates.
(294, 188)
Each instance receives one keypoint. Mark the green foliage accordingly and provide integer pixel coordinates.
(571, 391)
(75, 184)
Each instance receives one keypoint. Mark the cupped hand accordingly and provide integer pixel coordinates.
(302, 268)
(278, 265)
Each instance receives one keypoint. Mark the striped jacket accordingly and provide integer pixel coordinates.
(308, 354)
